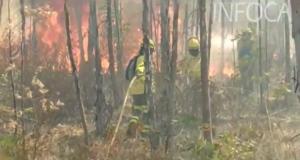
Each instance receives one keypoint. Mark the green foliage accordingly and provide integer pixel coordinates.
(279, 92)
(188, 121)
(8, 145)
(225, 147)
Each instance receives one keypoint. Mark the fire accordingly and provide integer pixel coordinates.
(228, 70)
(51, 32)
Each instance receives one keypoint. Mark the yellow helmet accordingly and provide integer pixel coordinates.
(193, 43)
(151, 44)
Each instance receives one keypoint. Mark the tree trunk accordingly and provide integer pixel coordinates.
(211, 15)
(260, 59)
(11, 71)
(33, 33)
(186, 27)
(287, 50)
(114, 85)
(154, 28)
(78, 14)
(145, 23)
(154, 137)
(103, 110)
(295, 4)
(1, 5)
(75, 74)
(23, 54)
(165, 35)
(222, 61)
(207, 131)
(171, 85)
(118, 18)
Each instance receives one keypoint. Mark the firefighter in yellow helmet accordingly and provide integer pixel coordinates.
(140, 111)
(190, 68)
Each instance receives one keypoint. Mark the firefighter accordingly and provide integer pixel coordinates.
(246, 49)
(190, 68)
(139, 121)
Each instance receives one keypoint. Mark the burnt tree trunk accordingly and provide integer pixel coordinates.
(207, 131)
(114, 85)
(75, 74)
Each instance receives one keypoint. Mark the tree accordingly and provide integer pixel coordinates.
(206, 114)
(154, 137)
(296, 35)
(75, 74)
(222, 40)
(114, 85)
(11, 67)
(287, 49)
(103, 110)
(165, 34)
(118, 18)
(260, 60)
(186, 27)
(33, 32)
(1, 5)
(145, 23)
(78, 15)
(23, 54)
(172, 78)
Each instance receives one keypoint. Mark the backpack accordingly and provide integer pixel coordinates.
(130, 69)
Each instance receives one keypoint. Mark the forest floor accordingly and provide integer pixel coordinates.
(250, 136)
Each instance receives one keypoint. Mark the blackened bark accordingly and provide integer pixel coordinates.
(75, 74)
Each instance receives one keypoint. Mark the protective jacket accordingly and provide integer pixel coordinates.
(138, 86)
(190, 67)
